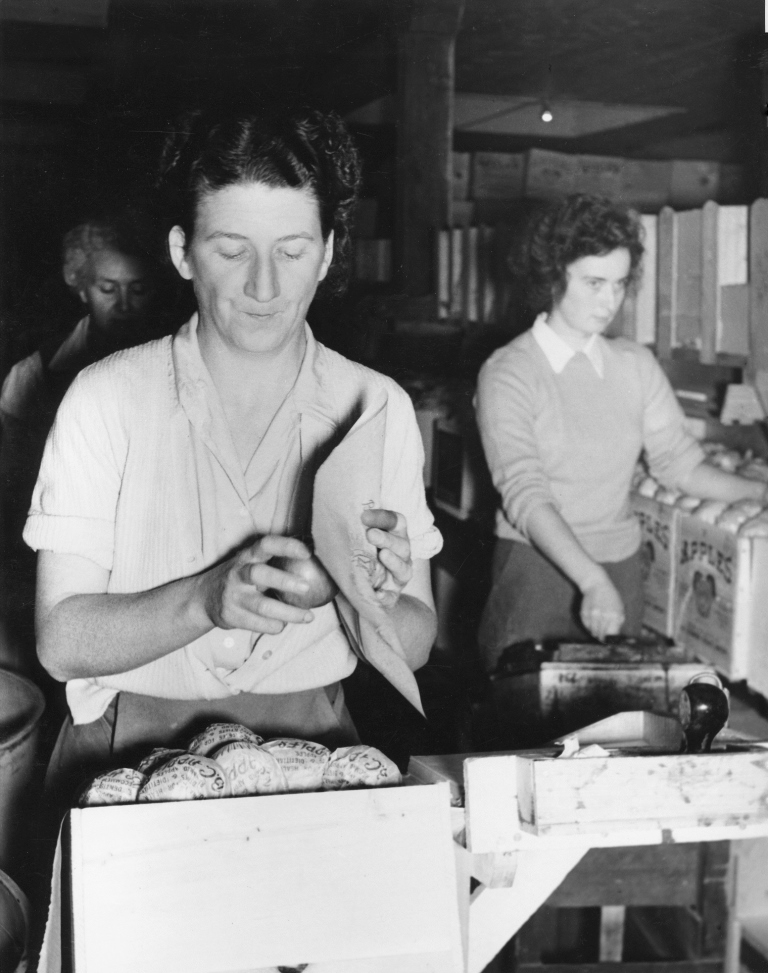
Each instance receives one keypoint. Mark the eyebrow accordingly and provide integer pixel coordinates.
(223, 234)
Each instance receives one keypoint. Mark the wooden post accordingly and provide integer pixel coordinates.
(709, 284)
(425, 139)
(757, 366)
(666, 277)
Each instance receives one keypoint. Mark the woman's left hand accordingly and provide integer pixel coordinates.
(388, 532)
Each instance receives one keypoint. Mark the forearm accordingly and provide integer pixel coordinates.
(551, 535)
(416, 627)
(86, 635)
(710, 483)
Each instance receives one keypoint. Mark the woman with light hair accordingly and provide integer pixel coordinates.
(106, 267)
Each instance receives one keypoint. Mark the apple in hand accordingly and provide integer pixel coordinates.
(322, 587)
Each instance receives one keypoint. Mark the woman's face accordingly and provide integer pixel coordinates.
(595, 288)
(255, 260)
(117, 290)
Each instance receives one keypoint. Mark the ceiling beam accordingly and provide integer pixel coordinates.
(66, 13)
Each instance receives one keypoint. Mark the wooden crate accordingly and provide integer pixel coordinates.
(720, 591)
(620, 792)
(346, 881)
(582, 684)
(537, 792)
(512, 795)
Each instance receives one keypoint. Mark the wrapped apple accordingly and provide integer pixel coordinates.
(360, 766)
(120, 786)
(187, 777)
(249, 769)
(302, 761)
(157, 758)
(217, 734)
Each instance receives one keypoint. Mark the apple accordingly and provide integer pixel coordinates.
(322, 587)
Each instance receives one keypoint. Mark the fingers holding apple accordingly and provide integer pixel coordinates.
(244, 591)
(320, 586)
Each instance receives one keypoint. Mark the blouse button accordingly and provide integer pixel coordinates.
(228, 642)
(267, 654)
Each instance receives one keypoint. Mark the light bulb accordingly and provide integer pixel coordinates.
(546, 114)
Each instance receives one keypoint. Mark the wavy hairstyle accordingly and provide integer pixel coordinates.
(562, 232)
(114, 233)
(304, 150)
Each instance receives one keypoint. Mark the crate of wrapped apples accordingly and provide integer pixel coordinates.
(237, 853)
(706, 569)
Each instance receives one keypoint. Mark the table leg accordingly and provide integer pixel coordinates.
(496, 914)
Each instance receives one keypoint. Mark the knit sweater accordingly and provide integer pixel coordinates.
(572, 439)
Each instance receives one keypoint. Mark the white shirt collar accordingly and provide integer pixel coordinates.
(558, 352)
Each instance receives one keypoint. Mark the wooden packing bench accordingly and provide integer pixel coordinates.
(519, 836)
(379, 881)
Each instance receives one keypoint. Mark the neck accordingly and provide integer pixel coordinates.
(251, 377)
(575, 339)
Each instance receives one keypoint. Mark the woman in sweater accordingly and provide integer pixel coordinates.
(564, 415)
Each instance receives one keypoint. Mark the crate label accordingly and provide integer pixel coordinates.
(658, 526)
(705, 598)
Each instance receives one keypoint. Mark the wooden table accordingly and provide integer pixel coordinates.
(519, 869)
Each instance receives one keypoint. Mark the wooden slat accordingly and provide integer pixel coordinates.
(70, 13)
(321, 878)
(665, 277)
(709, 284)
(686, 331)
(758, 297)
(637, 876)
(612, 933)
(657, 966)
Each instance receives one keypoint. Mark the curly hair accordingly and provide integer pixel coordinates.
(308, 149)
(93, 235)
(566, 230)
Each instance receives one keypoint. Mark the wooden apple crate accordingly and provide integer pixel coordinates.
(579, 684)
(346, 881)
(721, 589)
(613, 792)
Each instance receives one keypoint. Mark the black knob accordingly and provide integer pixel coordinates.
(703, 711)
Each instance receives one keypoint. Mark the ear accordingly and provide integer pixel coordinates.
(327, 258)
(177, 243)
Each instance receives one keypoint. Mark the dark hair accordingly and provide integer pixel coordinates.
(304, 150)
(565, 230)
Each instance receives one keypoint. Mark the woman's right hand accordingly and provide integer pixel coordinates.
(235, 593)
(602, 610)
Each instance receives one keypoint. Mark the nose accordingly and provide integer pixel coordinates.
(262, 283)
(612, 298)
(123, 300)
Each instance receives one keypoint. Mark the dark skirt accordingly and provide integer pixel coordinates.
(532, 599)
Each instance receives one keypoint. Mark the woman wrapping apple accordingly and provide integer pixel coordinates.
(174, 588)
